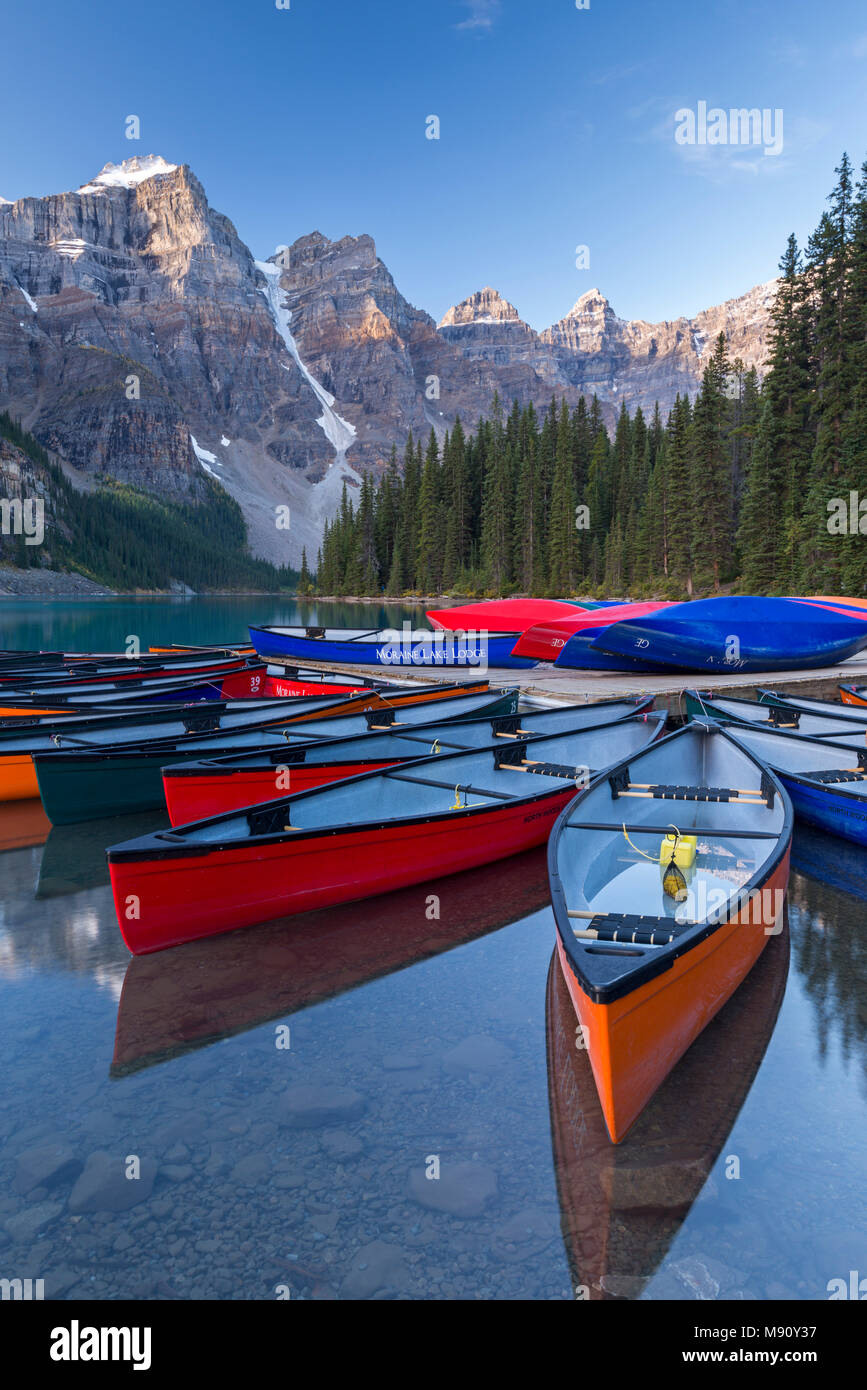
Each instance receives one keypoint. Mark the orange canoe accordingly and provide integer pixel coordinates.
(649, 958)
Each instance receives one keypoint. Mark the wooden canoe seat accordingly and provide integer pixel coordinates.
(630, 928)
(831, 775)
(514, 759)
(202, 723)
(268, 820)
(621, 785)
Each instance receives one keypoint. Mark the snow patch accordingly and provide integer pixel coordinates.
(224, 442)
(339, 432)
(32, 302)
(205, 458)
(72, 247)
(129, 173)
(698, 341)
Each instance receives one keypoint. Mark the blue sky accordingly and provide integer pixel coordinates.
(557, 130)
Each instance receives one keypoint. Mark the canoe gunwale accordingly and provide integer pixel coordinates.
(230, 763)
(802, 778)
(137, 850)
(661, 958)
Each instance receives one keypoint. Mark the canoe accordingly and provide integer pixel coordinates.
(227, 985)
(503, 615)
(853, 694)
(368, 835)
(582, 653)
(828, 709)
(827, 781)
(739, 634)
(700, 704)
(622, 1205)
(237, 684)
(120, 672)
(197, 789)
(17, 745)
(645, 972)
(547, 638)
(387, 648)
(90, 783)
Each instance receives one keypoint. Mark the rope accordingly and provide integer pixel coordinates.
(653, 859)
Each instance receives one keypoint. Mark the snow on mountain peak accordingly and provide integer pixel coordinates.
(128, 173)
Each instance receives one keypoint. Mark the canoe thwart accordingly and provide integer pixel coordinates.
(621, 785)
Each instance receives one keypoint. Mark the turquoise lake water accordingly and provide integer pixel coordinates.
(285, 1089)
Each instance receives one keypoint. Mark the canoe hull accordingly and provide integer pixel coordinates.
(167, 901)
(739, 634)
(635, 1041)
(425, 654)
(828, 809)
(852, 695)
(190, 798)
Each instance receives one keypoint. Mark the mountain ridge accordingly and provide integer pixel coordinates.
(282, 377)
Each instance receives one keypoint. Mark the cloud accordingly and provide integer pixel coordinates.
(482, 14)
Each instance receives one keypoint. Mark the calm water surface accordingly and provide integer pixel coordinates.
(285, 1088)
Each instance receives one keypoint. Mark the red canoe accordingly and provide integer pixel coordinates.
(503, 615)
(546, 640)
(350, 840)
(212, 786)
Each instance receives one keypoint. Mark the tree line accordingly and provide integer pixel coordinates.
(128, 539)
(755, 485)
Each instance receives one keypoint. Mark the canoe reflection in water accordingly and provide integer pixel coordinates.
(23, 824)
(212, 989)
(622, 1205)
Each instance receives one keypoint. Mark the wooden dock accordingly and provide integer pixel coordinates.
(573, 687)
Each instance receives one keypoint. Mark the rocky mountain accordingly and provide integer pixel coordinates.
(594, 352)
(140, 338)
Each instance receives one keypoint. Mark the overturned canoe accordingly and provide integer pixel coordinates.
(827, 781)
(197, 789)
(367, 835)
(739, 634)
(503, 615)
(90, 783)
(387, 647)
(547, 638)
(649, 954)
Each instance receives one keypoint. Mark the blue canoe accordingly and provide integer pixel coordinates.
(738, 634)
(826, 781)
(387, 647)
(581, 652)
